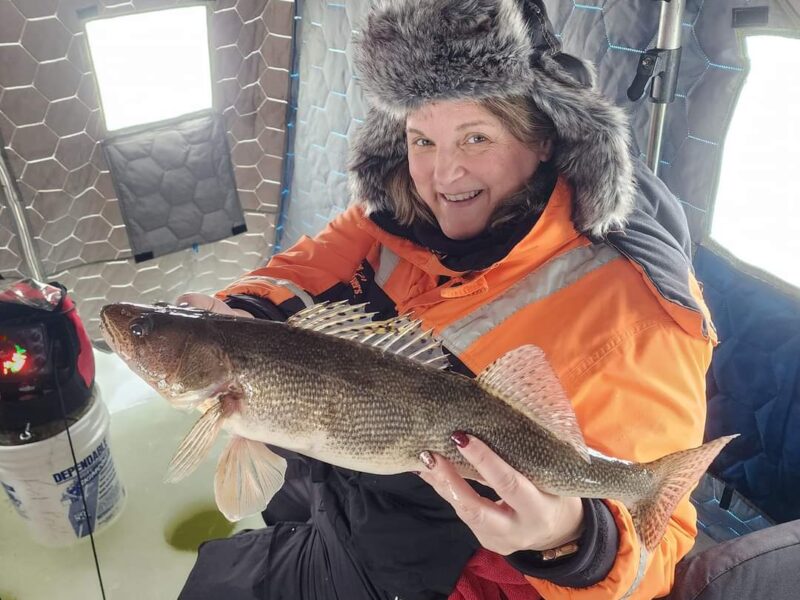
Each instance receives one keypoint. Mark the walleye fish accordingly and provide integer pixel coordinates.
(371, 396)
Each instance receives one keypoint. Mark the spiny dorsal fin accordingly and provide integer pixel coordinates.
(524, 379)
(401, 335)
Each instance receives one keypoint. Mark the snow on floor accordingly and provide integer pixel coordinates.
(119, 386)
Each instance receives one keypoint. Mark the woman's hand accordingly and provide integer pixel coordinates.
(209, 303)
(524, 518)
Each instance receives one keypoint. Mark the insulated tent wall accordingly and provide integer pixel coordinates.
(51, 126)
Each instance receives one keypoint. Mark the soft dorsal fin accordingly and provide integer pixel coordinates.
(401, 335)
(524, 379)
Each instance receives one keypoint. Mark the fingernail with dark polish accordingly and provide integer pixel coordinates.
(460, 439)
(427, 459)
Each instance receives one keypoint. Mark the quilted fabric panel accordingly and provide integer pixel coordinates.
(175, 186)
(329, 107)
(12, 264)
(614, 34)
(724, 514)
(754, 385)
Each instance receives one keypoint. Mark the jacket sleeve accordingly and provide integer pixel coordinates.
(309, 268)
(597, 550)
(642, 398)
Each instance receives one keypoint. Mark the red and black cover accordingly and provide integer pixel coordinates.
(44, 350)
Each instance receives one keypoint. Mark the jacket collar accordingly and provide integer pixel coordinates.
(552, 233)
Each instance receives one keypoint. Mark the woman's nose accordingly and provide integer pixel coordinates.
(449, 167)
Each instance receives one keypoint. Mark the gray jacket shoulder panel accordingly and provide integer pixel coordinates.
(657, 238)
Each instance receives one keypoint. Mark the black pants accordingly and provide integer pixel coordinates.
(297, 557)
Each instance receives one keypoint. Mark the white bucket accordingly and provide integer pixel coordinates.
(41, 482)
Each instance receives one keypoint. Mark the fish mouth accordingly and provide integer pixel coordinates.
(111, 332)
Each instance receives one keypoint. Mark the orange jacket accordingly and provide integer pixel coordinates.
(632, 361)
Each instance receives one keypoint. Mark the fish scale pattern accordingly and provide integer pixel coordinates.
(609, 33)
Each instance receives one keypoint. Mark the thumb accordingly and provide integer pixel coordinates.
(201, 301)
(209, 303)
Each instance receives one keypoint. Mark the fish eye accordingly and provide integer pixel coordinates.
(141, 327)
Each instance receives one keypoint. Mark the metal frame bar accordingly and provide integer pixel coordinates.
(669, 38)
(23, 231)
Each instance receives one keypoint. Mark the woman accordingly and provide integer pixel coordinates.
(493, 199)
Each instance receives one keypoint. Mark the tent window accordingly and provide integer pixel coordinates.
(151, 66)
(757, 208)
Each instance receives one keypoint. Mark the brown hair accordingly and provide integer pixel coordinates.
(523, 120)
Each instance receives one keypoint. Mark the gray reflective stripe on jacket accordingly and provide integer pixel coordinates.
(640, 571)
(388, 263)
(556, 274)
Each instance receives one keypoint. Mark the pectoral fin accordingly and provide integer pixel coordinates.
(197, 443)
(248, 475)
(524, 379)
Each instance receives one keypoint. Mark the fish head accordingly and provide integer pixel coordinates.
(176, 351)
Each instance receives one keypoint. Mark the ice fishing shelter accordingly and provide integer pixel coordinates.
(190, 201)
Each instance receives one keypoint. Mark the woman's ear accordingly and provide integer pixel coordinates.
(546, 150)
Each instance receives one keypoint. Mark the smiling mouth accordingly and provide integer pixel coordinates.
(461, 197)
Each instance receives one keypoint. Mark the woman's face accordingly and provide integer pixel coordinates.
(464, 162)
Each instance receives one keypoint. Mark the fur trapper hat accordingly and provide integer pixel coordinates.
(411, 52)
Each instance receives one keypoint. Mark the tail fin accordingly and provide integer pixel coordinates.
(674, 476)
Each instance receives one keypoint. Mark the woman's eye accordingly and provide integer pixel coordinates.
(422, 142)
(476, 139)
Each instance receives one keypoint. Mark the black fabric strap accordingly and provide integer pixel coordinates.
(597, 550)
(260, 308)
(543, 36)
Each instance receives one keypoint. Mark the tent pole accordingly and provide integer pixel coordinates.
(659, 68)
(664, 82)
(28, 248)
